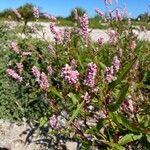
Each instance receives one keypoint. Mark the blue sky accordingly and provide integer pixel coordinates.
(63, 7)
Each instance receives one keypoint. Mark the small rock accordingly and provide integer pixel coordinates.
(71, 145)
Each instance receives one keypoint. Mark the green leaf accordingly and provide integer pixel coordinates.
(121, 97)
(148, 137)
(73, 98)
(120, 119)
(76, 112)
(129, 138)
(54, 91)
(122, 75)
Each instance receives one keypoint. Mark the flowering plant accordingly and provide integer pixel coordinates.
(93, 91)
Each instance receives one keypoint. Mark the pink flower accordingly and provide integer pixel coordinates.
(36, 12)
(100, 40)
(70, 75)
(108, 2)
(114, 68)
(36, 73)
(110, 74)
(133, 45)
(20, 66)
(17, 13)
(116, 63)
(53, 121)
(51, 49)
(14, 47)
(73, 63)
(67, 35)
(84, 24)
(100, 13)
(86, 97)
(50, 70)
(44, 85)
(13, 74)
(51, 18)
(90, 74)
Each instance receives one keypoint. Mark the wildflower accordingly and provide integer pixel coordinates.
(100, 40)
(36, 73)
(17, 13)
(84, 24)
(51, 18)
(36, 12)
(53, 121)
(73, 63)
(86, 97)
(14, 47)
(114, 68)
(20, 66)
(67, 35)
(110, 74)
(108, 2)
(116, 63)
(44, 82)
(70, 75)
(51, 49)
(52, 28)
(112, 36)
(100, 13)
(90, 75)
(13, 74)
(133, 45)
(50, 70)
(33, 28)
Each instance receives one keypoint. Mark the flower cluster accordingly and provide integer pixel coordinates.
(133, 45)
(108, 2)
(50, 70)
(41, 78)
(14, 75)
(90, 74)
(36, 12)
(57, 34)
(115, 66)
(86, 97)
(100, 13)
(100, 40)
(17, 13)
(14, 47)
(51, 18)
(67, 35)
(51, 49)
(44, 82)
(70, 75)
(20, 66)
(112, 36)
(84, 24)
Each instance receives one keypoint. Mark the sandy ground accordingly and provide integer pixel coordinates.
(94, 33)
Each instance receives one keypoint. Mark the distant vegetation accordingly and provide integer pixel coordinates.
(94, 22)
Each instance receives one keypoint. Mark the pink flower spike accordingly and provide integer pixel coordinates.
(53, 121)
(86, 97)
(100, 13)
(36, 12)
(36, 73)
(133, 45)
(17, 13)
(50, 70)
(14, 47)
(13, 74)
(44, 85)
